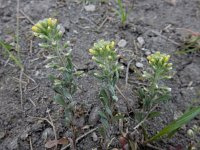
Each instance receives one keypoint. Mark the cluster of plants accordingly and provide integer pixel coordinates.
(106, 57)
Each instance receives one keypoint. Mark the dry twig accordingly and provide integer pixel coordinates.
(81, 137)
(27, 17)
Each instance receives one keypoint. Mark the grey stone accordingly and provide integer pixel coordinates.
(122, 43)
(47, 133)
(94, 136)
(90, 8)
(2, 134)
(94, 116)
(139, 65)
(140, 41)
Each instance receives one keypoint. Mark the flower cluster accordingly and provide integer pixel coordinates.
(160, 61)
(48, 29)
(104, 54)
(103, 49)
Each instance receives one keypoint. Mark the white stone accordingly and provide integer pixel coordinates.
(140, 41)
(139, 65)
(90, 7)
(122, 43)
(147, 53)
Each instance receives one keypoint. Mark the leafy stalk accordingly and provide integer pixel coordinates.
(64, 85)
(105, 56)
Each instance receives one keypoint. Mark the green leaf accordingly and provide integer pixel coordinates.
(115, 98)
(104, 97)
(5, 45)
(102, 115)
(104, 122)
(108, 110)
(185, 118)
(59, 99)
(51, 78)
(66, 94)
(153, 114)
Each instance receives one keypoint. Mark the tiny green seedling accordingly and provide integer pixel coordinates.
(12, 56)
(191, 45)
(122, 13)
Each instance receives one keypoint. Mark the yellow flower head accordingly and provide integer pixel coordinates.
(91, 51)
(107, 48)
(158, 60)
(35, 29)
(112, 44)
(166, 58)
(52, 22)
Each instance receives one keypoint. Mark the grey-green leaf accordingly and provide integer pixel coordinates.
(59, 99)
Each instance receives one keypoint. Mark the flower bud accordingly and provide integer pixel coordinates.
(169, 66)
(91, 51)
(112, 44)
(60, 33)
(41, 36)
(39, 25)
(101, 66)
(35, 29)
(49, 28)
(53, 43)
(51, 22)
(107, 48)
(149, 57)
(94, 58)
(166, 58)
(110, 57)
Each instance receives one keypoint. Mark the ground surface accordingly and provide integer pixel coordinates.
(149, 19)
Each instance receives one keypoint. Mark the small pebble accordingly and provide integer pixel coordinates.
(122, 43)
(47, 133)
(90, 8)
(2, 134)
(94, 136)
(140, 41)
(147, 53)
(94, 116)
(172, 2)
(139, 65)
(144, 49)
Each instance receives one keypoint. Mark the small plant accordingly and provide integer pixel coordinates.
(64, 85)
(104, 54)
(18, 62)
(155, 92)
(191, 45)
(11, 55)
(122, 13)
